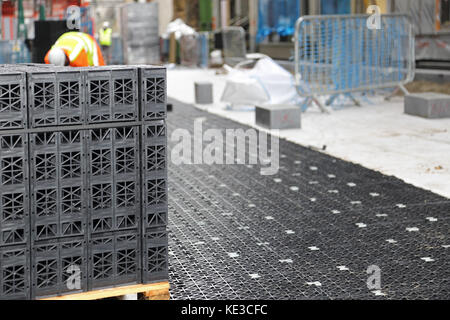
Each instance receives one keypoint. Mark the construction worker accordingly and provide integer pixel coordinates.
(75, 49)
(105, 39)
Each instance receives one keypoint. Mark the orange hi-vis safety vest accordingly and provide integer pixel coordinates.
(81, 49)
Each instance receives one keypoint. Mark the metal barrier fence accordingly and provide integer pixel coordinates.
(340, 54)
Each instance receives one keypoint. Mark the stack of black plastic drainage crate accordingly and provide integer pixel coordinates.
(83, 194)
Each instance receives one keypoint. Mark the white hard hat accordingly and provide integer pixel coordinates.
(57, 56)
(105, 24)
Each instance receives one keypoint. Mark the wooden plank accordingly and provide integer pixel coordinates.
(437, 9)
(172, 48)
(151, 291)
(157, 295)
(159, 298)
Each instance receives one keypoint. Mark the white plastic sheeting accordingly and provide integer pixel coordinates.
(266, 83)
(179, 28)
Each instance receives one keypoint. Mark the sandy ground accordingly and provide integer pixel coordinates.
(377, 135)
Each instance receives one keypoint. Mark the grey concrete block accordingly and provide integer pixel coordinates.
(428, 105)
(278, 116)
(204, 93)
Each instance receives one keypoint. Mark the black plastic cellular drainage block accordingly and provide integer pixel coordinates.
(13, 106)
(14, 189)
(321, 228)
(83, 178)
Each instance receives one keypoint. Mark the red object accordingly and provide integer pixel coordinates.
(422, 44)
(8, 9)
(59, 7)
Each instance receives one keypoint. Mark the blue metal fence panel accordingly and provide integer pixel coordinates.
(339, 54)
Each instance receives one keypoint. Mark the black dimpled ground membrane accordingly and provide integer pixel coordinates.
(309, 232)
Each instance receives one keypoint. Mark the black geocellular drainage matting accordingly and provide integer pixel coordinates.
(321, 228)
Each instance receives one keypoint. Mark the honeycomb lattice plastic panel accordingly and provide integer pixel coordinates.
(55, 98)
(153, 93)
(58, 184)
(154, 163)
(309, 232)
(59, 266)
(114, 259)
(111, 94)
(14, 189)
(15, 273)
(60, 96)
(113, 179)
(155, 251)
(12, 100)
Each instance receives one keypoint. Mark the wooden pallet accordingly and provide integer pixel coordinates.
(154, 291)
